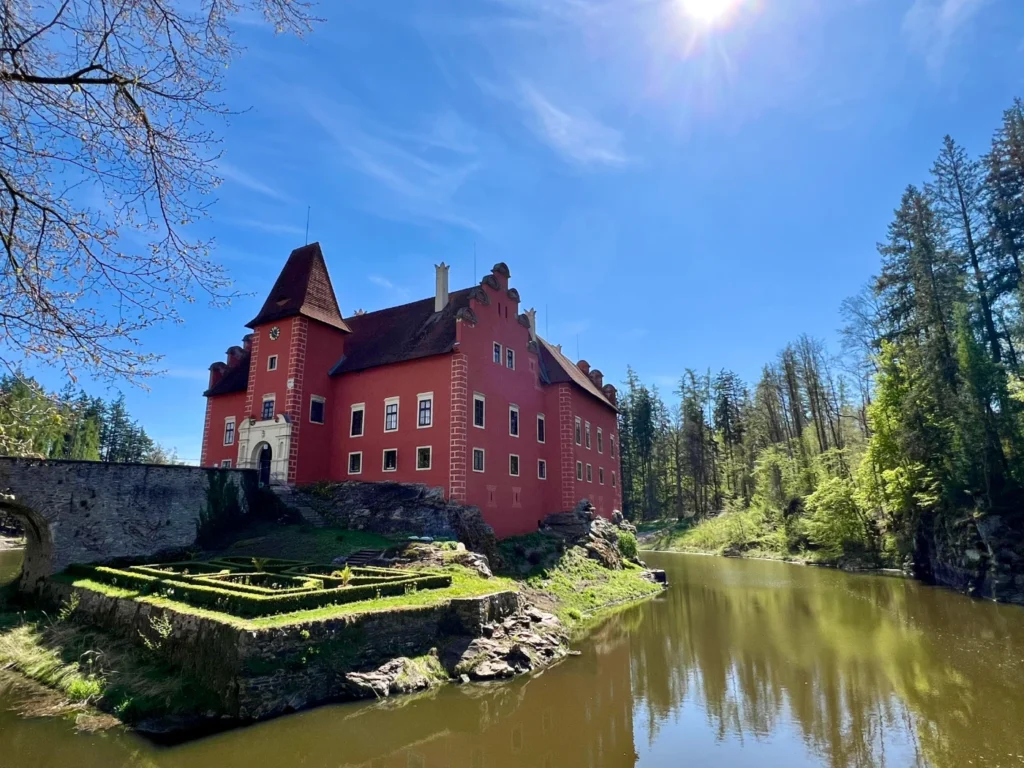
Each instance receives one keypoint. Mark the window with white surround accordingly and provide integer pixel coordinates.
(600, 475)
(600, 440)
(424, 410)
(611, 440)
(541, 428)
(226, 464)
(497, 353)
(229, 430)
(513, 420)
(588, 435)
(510, 359)
(272, 363)
(390, 460)
(268, 408)
(590, 473)
(391, 414)
(357, 421)
(317, 406)
(355, 463)
(513, 465)
(579, 431)
(423, 457)
(613, 479)
(478, 459)
(478, 410)
(542, 469)
(579, 471)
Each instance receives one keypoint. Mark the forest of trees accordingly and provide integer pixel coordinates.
(71, 425)
(915, 423)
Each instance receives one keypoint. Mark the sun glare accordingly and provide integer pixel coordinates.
(710, 12)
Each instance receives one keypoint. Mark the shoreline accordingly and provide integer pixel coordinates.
(788, 560)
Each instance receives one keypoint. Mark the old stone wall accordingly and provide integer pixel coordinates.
(86, 512)
(267, 671)
(400, 508)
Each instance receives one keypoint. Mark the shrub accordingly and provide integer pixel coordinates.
(628, 547)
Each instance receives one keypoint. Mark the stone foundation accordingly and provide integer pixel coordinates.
(262, 672)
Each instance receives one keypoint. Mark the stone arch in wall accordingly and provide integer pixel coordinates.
(38, 560)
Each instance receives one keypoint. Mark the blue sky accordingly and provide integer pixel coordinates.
(676, 192)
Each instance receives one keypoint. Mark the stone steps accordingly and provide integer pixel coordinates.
(363, 557)
(307, 513)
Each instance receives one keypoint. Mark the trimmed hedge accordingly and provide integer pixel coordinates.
(249, 604)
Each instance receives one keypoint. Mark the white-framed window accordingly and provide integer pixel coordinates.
(613, 479)
(513, 421)
(478, 459)
(600, 440)
(317, 409)
(587, 432)
(478, 410)
(579, 431)
(513, 465)
(611, 445)
(225, 464)
(391, 414)
(497, 353)
(510, 359)
(542, 428)
(424, 410)
(229, 430)
(355, 463)
(423, 456)
(390, 462)
(590, 473)
(600, 475)
(542, 469)
(272, 363)
(268, 408)
(357, 423)
(579, 471)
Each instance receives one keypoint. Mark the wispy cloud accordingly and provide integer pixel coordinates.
(235, 175)
(189, 374)
(932, 26)
(417, 174)
(575, 135)
(383, 282)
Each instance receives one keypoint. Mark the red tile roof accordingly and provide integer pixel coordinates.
(398, 334)
(559, 369)
(303, 288)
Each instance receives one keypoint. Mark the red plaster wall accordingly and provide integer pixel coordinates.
(373, 386)
(313, 449)
(220, 407)
(261, 381)
(604, 497)
(494, 490)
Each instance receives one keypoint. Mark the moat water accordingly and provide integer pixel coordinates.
(740, 663)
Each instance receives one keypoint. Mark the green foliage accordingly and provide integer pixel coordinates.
(627, 545)
(223, 513)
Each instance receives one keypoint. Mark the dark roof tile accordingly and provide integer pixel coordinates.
(235, 380)
(303, 288)
(561, 369)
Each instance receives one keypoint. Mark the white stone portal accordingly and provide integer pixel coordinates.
(275, 432)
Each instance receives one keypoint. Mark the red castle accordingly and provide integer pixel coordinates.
(457, 391)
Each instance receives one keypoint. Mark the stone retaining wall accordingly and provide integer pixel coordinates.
(91, 511)
(264, 672)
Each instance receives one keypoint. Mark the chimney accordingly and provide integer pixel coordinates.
(217, 371)
(247, 342)
(597, 377)
(532, 314)
(234, 355)
(609, 393)
(441, 292)
(584, 366)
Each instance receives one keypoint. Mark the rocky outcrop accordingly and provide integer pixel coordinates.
(583, 527)
(391, 508)
(401, 675)
(438, 555)
(518, 644)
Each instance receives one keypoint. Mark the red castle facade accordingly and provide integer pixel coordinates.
(457, 391)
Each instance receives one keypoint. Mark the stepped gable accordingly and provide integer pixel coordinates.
(303, 288)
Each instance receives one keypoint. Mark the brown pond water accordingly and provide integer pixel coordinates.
(740, 663)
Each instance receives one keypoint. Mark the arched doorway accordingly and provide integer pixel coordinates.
(33, 561)
(263, 456)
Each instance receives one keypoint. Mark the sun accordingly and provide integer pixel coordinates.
(710, 13)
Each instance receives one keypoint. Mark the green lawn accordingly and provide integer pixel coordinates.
(302, 542)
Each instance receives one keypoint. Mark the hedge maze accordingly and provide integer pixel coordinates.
(254, 587)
